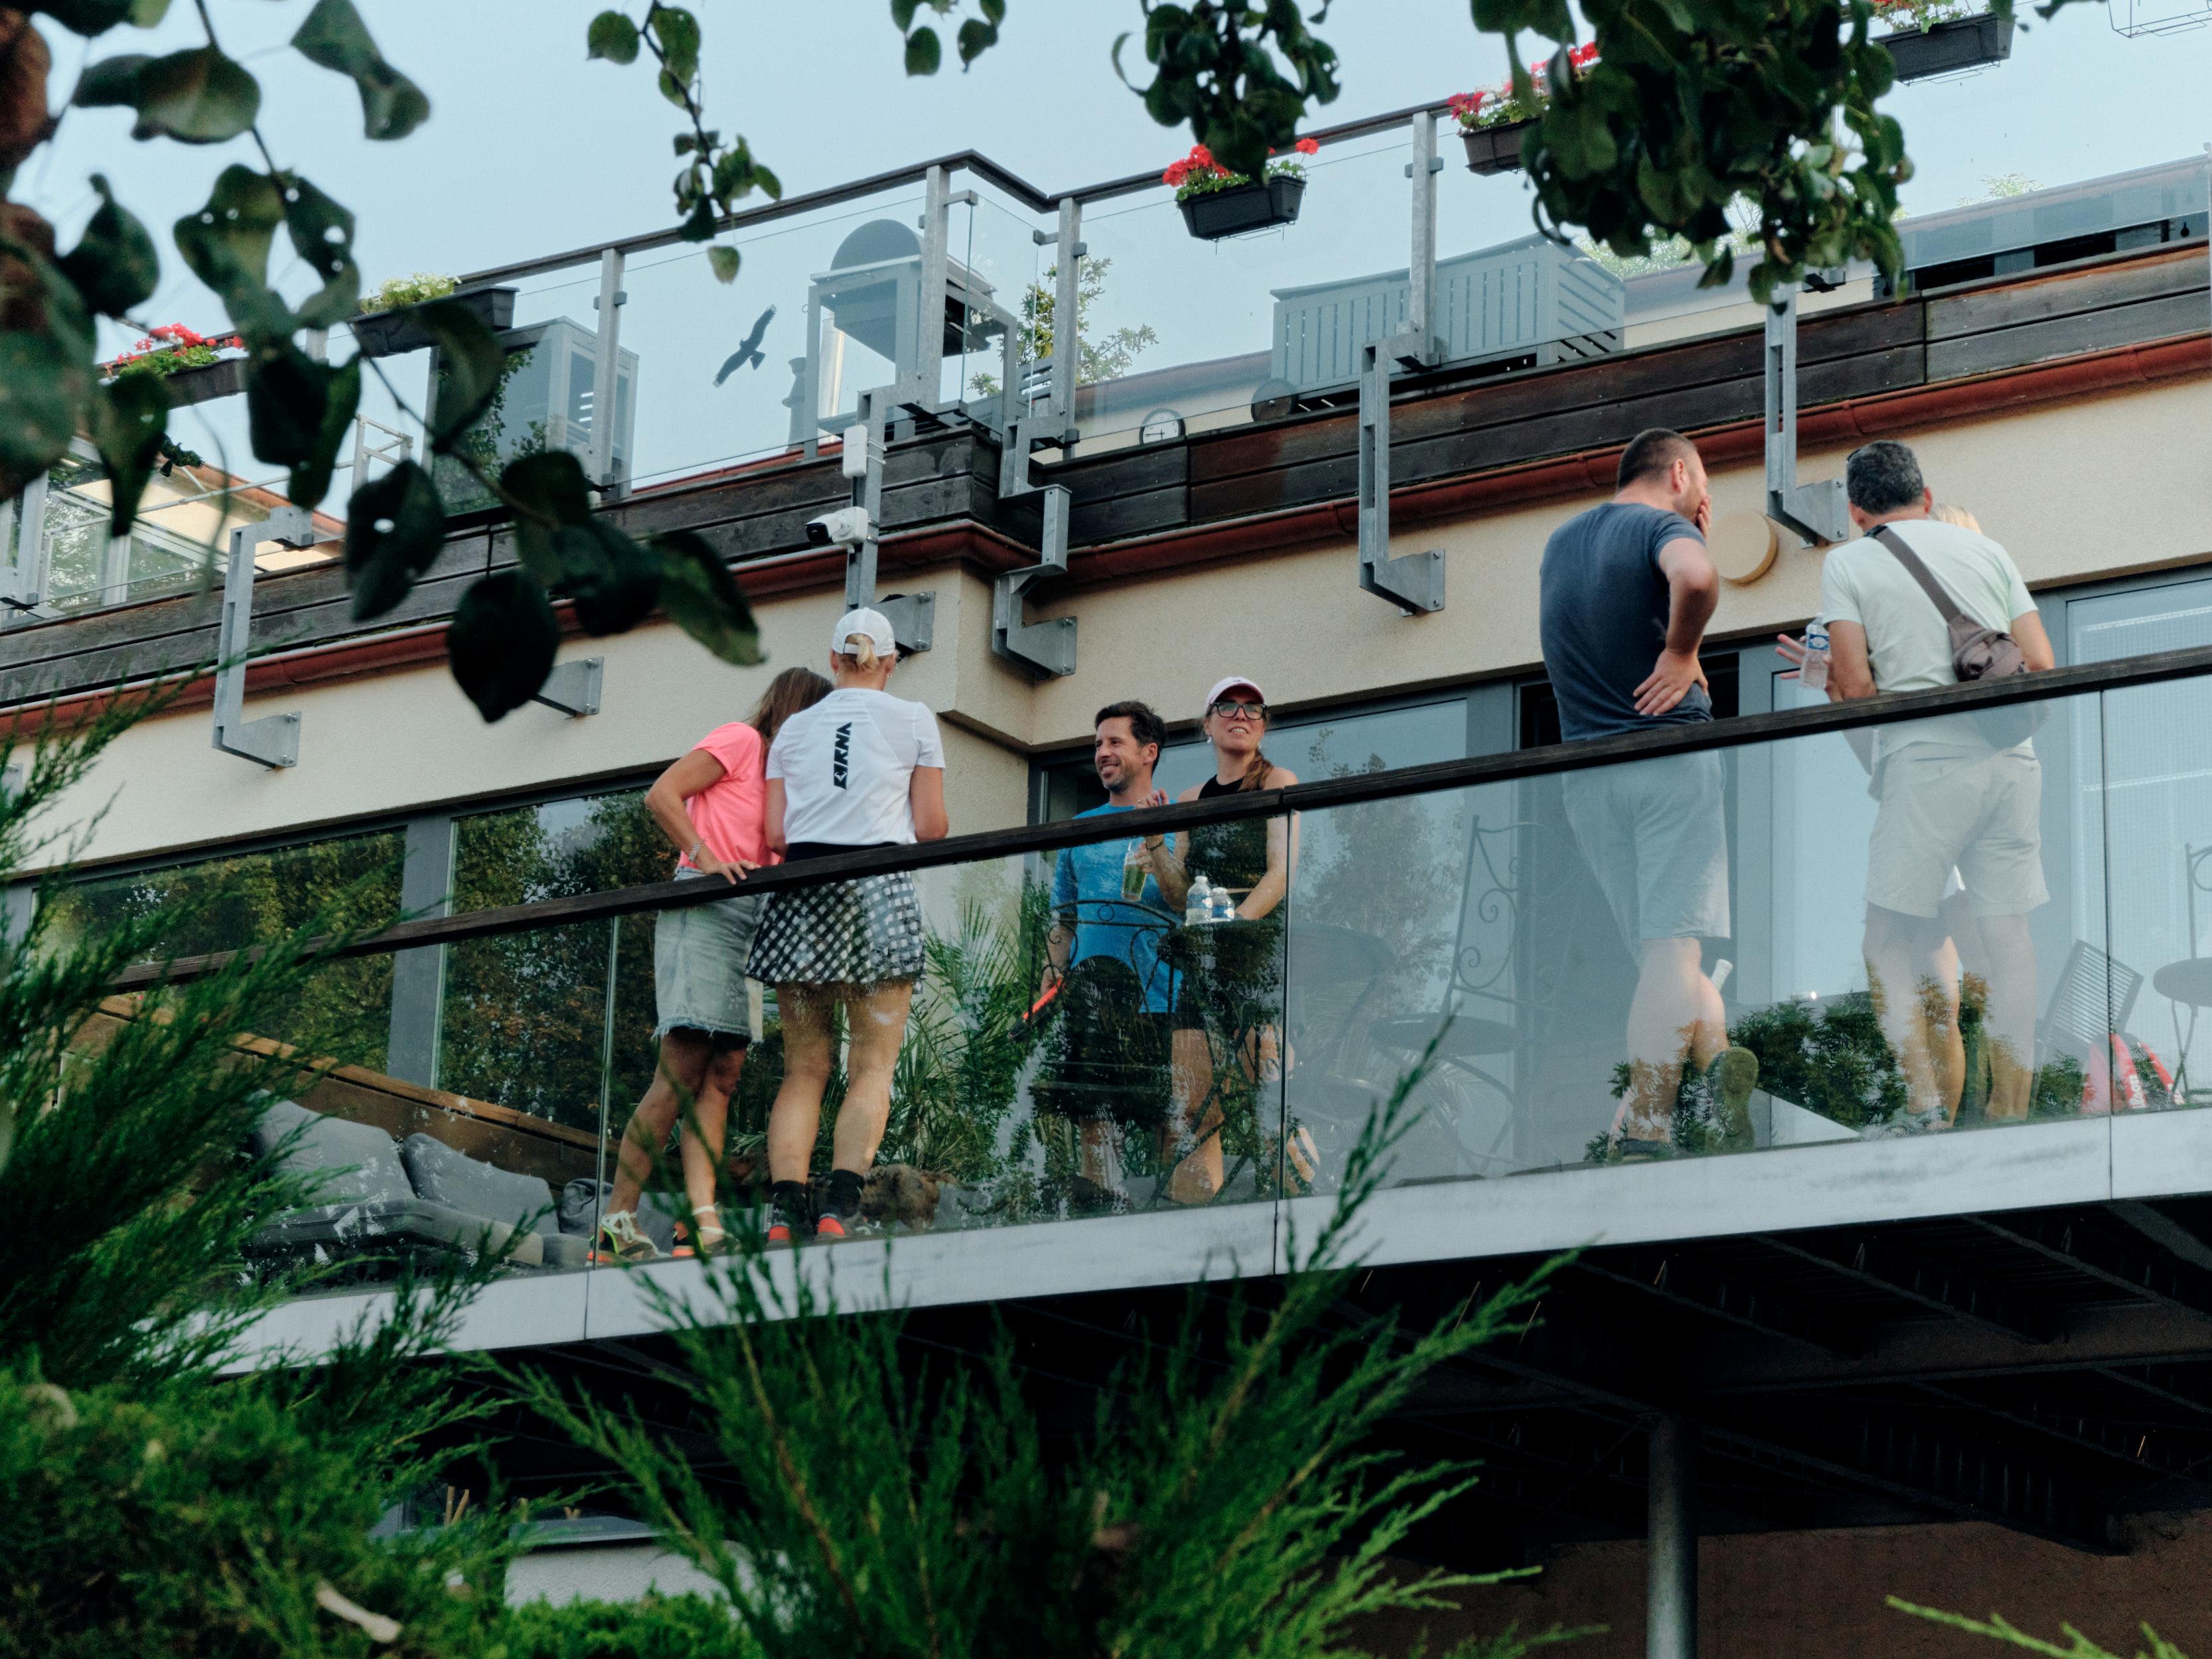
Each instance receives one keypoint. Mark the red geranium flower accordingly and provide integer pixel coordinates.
(1308, 147)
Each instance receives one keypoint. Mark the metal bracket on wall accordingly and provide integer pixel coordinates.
(913, 616)
(574, 686)
(1421, 267)
(1817, 511)
(273, 741)
(1412, 582)
(1043, 647)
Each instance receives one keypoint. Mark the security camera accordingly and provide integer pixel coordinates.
(847, 527)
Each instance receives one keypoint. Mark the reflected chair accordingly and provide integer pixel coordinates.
(2187, 985)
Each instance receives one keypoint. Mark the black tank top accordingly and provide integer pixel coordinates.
(1231, 856)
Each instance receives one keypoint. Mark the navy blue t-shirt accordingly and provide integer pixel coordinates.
(1602, 612)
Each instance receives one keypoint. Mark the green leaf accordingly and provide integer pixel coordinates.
(612, 580)
(994, 11)
(89, 17)
(288, 396)
(701, 225)
(144, 14)
(677, 33)
(225, 244)
(470, 369)
(130, 419)
(700, 597)
(395, 528)
(333, 37)
(196, 97)
(322, 235)
(613, 36)
(552, 484)
(975, 39)
(923, 52)
(902, 14)
(311, 478)
(111, 82)
(46, 381)
(723, 262)
(114, 264)
(503, 643)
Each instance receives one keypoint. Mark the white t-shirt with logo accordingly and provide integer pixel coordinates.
(1908, 646)
(846, 764)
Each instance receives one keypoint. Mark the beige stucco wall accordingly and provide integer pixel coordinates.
(2095, 487)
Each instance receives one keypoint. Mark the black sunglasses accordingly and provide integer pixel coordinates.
(1230, 708)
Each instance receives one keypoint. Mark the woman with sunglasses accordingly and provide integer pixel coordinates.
(1239, 993)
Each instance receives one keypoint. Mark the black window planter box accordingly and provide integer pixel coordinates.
(224, 378)
(1260, 205)
(1964, 43)
(392, 333)
(1492, 150)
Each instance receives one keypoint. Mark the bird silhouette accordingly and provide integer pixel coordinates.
(750, 352)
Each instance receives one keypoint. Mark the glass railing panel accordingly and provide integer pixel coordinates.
(2149, 751)
(1003, 295)
(1199, 332)
(738, 374)
(1589, 951)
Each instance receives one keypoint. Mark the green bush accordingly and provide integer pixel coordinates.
(654, 1628)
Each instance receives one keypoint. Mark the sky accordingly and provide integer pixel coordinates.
(532, 149)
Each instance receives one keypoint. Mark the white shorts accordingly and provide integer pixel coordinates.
(1942, 807)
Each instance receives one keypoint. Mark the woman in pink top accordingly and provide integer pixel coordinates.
(712, 803)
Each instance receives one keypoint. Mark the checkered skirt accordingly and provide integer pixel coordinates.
(862, 932)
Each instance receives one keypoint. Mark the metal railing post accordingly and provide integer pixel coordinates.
(1671, 1561)
(912, 615)
(606, 370)
(1421, 268)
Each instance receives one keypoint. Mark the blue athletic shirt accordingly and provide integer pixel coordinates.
(1104, 925)
(1602, 611)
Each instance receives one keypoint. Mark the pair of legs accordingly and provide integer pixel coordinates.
(1676, 1016)
(1194, 1114)
(1914, 966)
(696, 1073)
(876, 1025)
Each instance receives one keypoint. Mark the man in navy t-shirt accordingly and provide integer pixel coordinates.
(1105, 1066)
(1627, 590)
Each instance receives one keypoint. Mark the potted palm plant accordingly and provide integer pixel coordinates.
(1493, 121)
(387, 326)
(1942, 37)
(1217, 203)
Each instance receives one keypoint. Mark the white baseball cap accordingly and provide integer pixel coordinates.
(872, 625)
(1224, 685)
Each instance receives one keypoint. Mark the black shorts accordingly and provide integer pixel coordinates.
(1105, 1054)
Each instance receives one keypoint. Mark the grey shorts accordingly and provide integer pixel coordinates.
(1655, 834)
(1981, 813)
(699, 964)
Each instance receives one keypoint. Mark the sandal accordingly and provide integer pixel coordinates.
(707, 1226)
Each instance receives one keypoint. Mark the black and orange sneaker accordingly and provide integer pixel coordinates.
(828, 1225)
(790, 1218)
(839, 1215)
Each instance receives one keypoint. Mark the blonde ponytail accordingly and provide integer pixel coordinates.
(862, 656)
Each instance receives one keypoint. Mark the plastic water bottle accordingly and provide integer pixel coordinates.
(1198, 904)
(1223, 908)
(1813, 673)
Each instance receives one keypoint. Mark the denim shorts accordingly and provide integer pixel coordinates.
(699, 964)
(1655, 834)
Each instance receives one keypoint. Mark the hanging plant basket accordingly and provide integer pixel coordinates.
(1964, 43)
(1259, 206)
(225, 377)
(1492, 150)
(391, 333)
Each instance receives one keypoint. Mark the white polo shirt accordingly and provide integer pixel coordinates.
(846, 764)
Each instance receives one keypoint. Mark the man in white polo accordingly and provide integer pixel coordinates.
(1961, 791)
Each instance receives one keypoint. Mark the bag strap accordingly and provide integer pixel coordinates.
(1920, 573)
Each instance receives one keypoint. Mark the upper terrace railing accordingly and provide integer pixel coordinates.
(938, 280)
(1485, 907)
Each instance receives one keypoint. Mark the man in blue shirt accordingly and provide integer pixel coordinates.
(1105, 1068)
(1625, 591)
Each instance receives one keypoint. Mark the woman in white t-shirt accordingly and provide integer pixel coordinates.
(860, 768)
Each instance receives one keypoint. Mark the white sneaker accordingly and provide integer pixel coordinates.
(1932, 1121)
(618, 1229)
